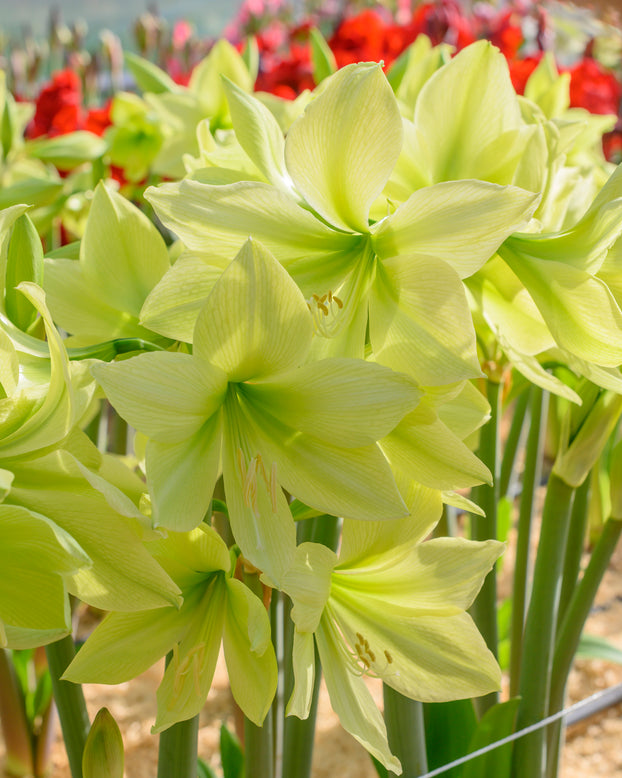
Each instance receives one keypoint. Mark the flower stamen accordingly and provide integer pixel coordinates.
(325, 313)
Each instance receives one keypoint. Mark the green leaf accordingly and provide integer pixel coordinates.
(24, 263)
(324, 64)
(597, 647)
(449, 727)
(68, 151)
(148, 77)
(497, 723)
(231, 754)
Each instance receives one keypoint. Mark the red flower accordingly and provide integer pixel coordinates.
(58, 107)
(287, 76)
(594, 88)
(443, 22)
(359, 38)
(98, 119)
(521, 69)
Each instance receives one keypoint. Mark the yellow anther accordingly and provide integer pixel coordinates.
(324, 310)
(388, 656)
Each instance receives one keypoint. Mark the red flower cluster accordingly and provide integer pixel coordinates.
(59, 109)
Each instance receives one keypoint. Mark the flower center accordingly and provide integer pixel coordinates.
(325, 312)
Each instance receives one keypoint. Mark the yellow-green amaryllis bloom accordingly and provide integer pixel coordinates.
(122, 257)
(393, 607)
(53, 471)
(36, 557)
(403, 273)
(247, 403)
(217, 608)
(560, 271)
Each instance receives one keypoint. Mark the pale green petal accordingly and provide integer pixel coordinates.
(354, 482)
(345, 401)
(124, 576)
(351, 699)
(466, 412)
(578, 308)
(189, 557)
(340, 153)
(259, 135)
(172, 307)
(458, 118)
(256, 321)
(307, 583)
(78, 308)
(126, 644)
(18, 637)
(259, 514)
(538, 375)
(303, 664)
(182, 476)
(426, 450)
(188, 677)
(461, 222)
(36, 558)
(420, 323)
(361, 540)
(438, 577)
(122, 254)
(509, 309)
(251, 662)
(207, 84)
(428, 658)
(54, 417)
(461, 502)
(217, 220)
(9, 365)
(167, 396)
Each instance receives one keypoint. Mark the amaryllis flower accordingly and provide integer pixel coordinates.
(594, 87)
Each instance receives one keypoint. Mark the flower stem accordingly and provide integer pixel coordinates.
(572, 626)
(575, 546)
(258, 749)
(531, 479)
(70, 703)
(178, 747)
(177, 751)
(406, 731)
(484, 609)
(299, 734)
(539, 635)
(512, 442)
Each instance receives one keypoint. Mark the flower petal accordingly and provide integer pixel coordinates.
(251, 662)
(256, 321)
(166, 396)
(346, 401)
(303, 664)
(460, 222)
(341, 152)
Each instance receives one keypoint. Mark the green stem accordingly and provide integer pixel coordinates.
(512, 442)
(299, 734)
(178, 747)
(575, 546)
(484, 609)
(177, 752)
(571, 628)
(539, 635)
(70, 703)
(15, 726)
(406, 731)
(258, 749)
(579, 608)
(531, 478)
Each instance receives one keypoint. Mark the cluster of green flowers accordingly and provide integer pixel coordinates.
(343, 267)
